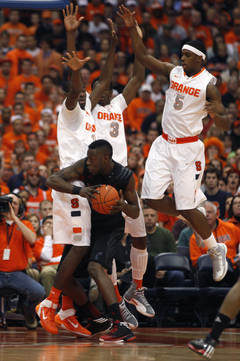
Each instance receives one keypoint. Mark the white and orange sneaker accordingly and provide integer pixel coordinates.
(68, 321)
(46, 312)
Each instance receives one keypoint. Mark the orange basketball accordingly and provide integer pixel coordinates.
(106, 198)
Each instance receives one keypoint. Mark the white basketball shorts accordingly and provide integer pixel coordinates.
(181, 163)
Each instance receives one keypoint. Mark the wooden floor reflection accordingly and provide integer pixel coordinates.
(160, 344)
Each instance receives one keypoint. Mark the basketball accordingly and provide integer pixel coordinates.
(106, 198)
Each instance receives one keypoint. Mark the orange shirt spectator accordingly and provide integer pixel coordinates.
(140, 107)
(14, 27)
(18, 54)
(94, 9)
(10, 138)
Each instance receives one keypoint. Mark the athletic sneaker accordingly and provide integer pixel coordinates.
(68, 321)
(98, 325)
(120, 332)
(127, 316)
(219, 261)
(46, 312)
(137, 298)
(203, 347)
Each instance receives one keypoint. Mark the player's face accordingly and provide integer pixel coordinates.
(96, 161)
(190, 63)
(106, 97)
(82, 98)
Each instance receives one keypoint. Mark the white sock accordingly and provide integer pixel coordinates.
(113, 276)
(210, 242)
(139, 259)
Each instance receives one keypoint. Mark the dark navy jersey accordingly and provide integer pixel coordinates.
(219, 200)
(119, 179)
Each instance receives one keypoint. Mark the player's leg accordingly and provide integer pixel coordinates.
(229, 309)
(100, 260)
(139, 258)
(127, 316)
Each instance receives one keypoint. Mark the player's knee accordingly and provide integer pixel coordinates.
(94, 269)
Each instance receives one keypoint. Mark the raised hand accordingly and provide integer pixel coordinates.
(70, 18)
(73, 62)
(114, 38)
(127, 16)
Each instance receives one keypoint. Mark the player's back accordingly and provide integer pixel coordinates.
(75, 131)
(110, 126)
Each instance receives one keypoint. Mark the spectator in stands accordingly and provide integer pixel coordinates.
(18, 54)
(231, 95)
(43, 95)
(47, 254)
(161, 240)
(202, 32)
(185, 19)
(5, 74)
(4, 42)
(36, 194)
(140, 107)
(234, 211)
(166, 39)
(11, 137)
(47, 56)
(224, 232)
(235, 134)
(45, 208)
(33, 146)
(32, 47)
(46, 25)
(14, 262)
(233, 178)
(14, 27)
(152, 134)
(153, 121)
(213, 193)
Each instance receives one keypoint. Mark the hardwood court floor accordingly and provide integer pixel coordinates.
(151, 344)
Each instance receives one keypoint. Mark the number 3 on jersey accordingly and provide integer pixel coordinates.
(115, 129)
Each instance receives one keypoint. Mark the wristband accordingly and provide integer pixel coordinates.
(76, 190)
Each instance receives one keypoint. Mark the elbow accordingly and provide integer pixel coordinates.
(50, 181)
(33, 239)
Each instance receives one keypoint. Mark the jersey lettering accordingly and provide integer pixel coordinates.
(111, 116)
(185, 90)
(91, 127)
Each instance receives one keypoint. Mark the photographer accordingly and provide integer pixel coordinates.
(17, 236)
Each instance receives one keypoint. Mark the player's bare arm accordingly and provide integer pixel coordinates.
(75, 64)
(130, 208)
(60, 181)
(216, 109)
(139, 49)
(107, 71)
(70, 18)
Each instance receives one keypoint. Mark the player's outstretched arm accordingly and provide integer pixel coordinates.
(139, 49)
(71, 25)
(75, 65)
(107, 71)
(216, 109)
(138, 77)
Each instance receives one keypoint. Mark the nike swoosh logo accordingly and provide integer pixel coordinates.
(176, 76)
(44, 317)
(74, 325)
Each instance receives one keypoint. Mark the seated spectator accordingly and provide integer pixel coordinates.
(233, 180)
(213, 193)
(14, 27)
(14, 261)
(28, 161)
(214, 149)
(47, 254)
(152, 134)
(33, 145)
(234, 210)
(11, 137)
(224, 232)
(43, 95)
(36, 194)
(4, 41)
(227, 205)
(45, 208)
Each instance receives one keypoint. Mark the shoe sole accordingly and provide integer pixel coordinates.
(138, 307)
(106, 329)
(126, 339)
(226, 268)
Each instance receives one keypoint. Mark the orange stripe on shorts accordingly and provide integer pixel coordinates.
(77, 230)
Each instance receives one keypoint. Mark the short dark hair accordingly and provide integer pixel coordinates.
(46, 218)
(102, 144)
(212, 170)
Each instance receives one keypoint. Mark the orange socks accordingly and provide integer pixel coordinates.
(67, 303)
(119, 297)
(54, 295)
(138, 283)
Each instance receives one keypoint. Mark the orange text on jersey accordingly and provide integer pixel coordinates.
(111, 116)
(185, 89)
(91, 127)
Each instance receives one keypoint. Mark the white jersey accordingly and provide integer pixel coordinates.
(185, 100)
(110, 126)
(75, 131)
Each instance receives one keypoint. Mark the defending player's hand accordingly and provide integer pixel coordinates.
(127, 16)
(70, 18)
(88, 192)
(74, 62)
(210, 108)
(114, 38)
(119, 204)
